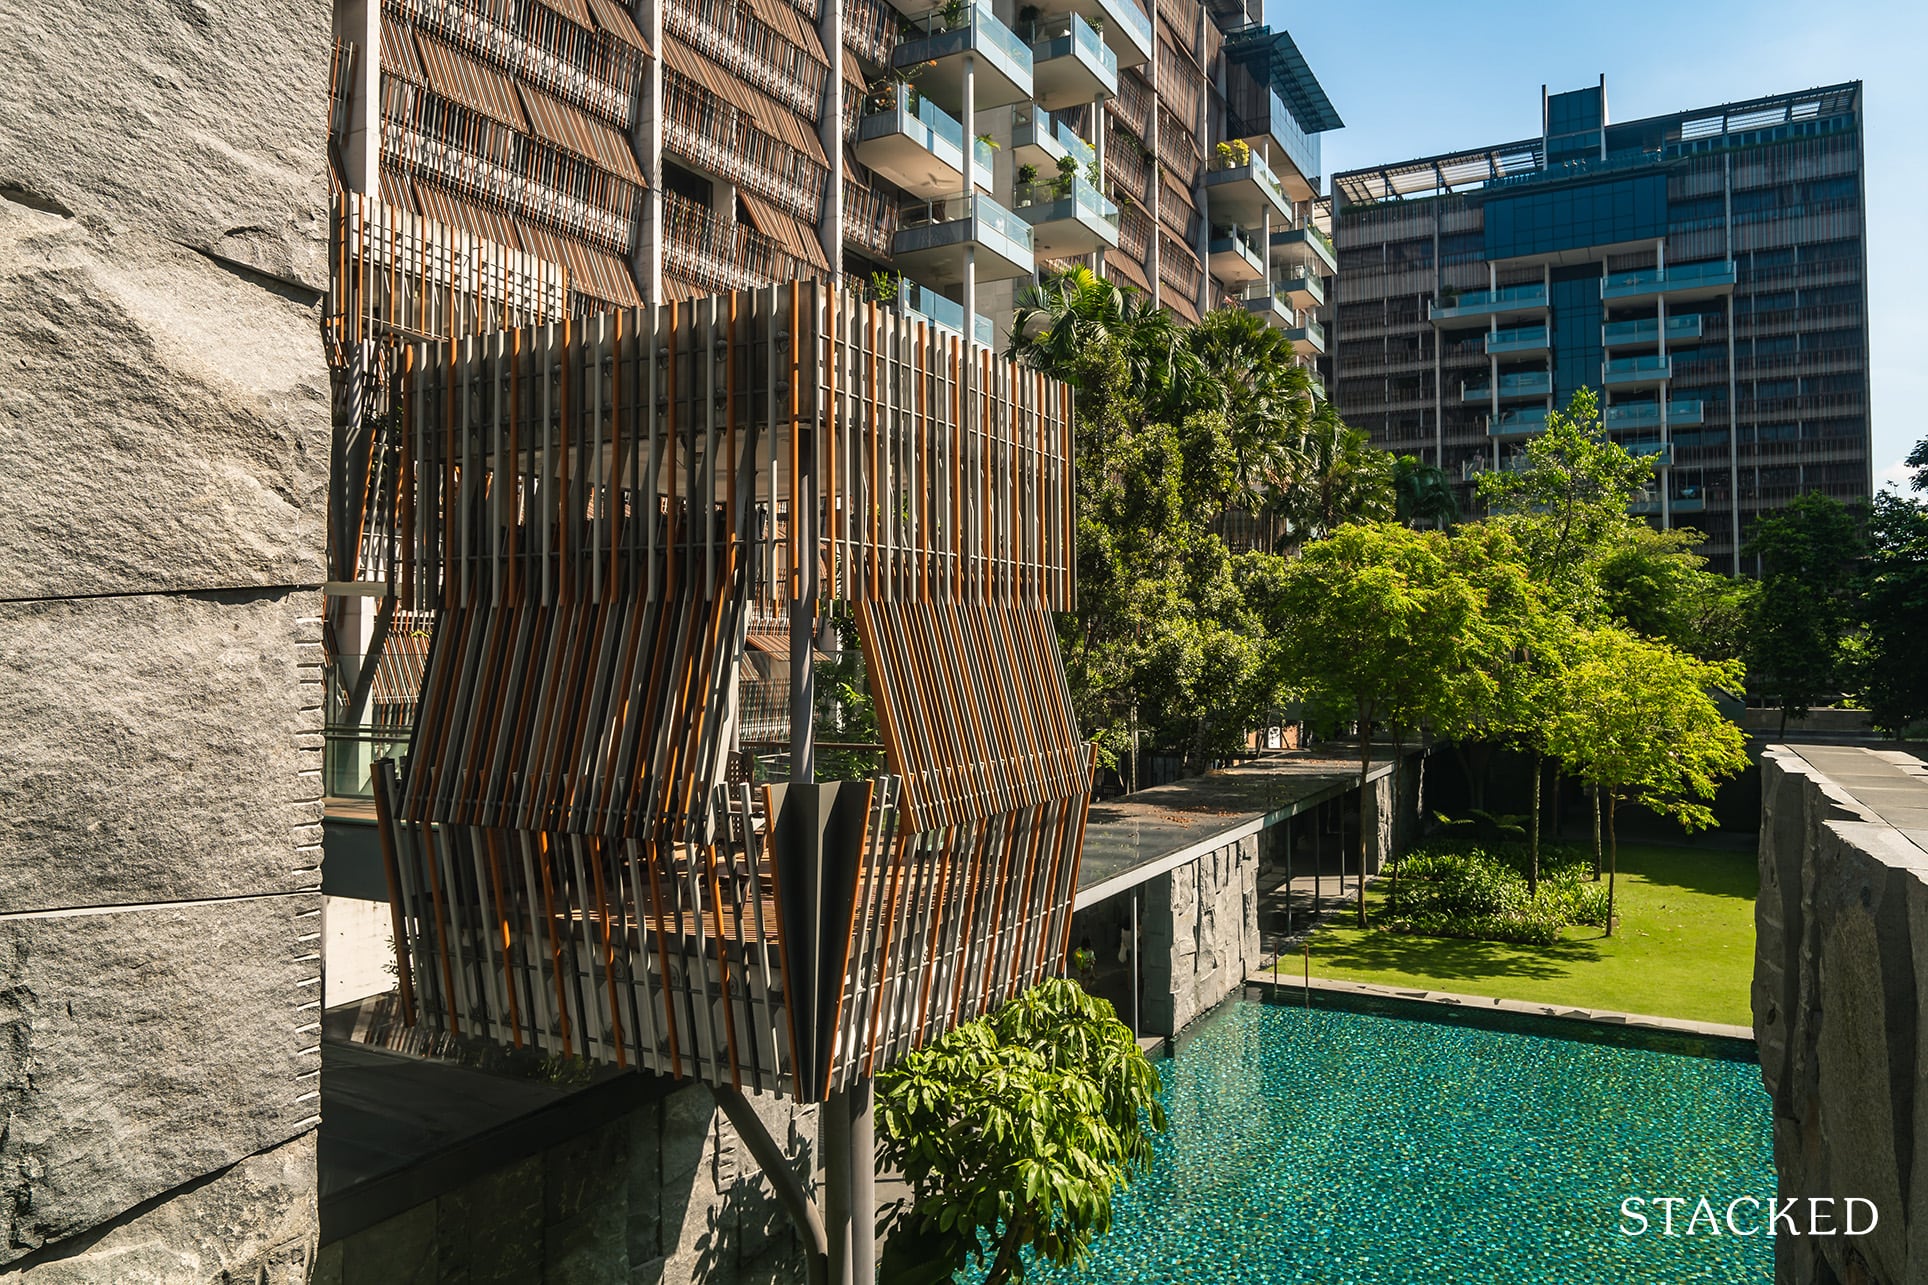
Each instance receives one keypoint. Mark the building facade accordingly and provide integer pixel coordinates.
(1704, 272)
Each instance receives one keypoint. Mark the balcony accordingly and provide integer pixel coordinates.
(1647, 501)
(919, 147)
(1482, 305)
(1684, 281)
(1305, 247)
(1070, 65)
(1525, 384)
(1124, 27)
(1234, 257)
(1304, 289)
(1680, 414)
(1524, 422)
(941, 46)
(1637, 372)
(1659, 454)
(1037, 138)
(1260, 298)
(1244, 190)
(933, 239)
(1068, 217)
(947, 314)
(1520, 339)
(1307, 339)
(1295, 154)
(1646, 333)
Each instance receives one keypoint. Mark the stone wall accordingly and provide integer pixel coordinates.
(163, 449)
(1840, 981)
(665, 1194)
(1200, 935)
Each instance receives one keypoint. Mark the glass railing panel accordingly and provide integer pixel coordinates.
(1093, 48)
(1000, 220)
(1068, 139)
(993, 34)
(1132, 18)
(985, 158)
(1094, 203)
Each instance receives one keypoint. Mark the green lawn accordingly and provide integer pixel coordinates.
(1684, 947)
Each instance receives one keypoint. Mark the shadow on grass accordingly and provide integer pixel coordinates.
(1452, 958)
(1712, 872)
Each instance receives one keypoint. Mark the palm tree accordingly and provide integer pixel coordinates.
(1341, 478)
(1423, 492)
(1078, 311)
(1248, 373)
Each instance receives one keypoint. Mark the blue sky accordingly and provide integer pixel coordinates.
(1415, 78)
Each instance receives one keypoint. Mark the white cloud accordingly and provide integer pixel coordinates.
(1895, 477)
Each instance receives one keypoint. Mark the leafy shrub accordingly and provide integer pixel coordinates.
(1457, 888)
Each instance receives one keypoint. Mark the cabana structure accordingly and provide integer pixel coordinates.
(599, 513)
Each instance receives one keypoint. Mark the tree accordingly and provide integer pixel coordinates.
(1339, 477)
(1892, 677)
(1654, 583)
(1378, 624)
(1061, 322)
(1808, 554)
(1422, 492)
(1634, 721)
(1014, 1131)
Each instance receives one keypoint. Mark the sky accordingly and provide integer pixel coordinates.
(1417, 78)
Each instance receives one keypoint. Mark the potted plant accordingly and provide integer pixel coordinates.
(1027, 174)
(952, 14)
(1067, 171)
(884, 286)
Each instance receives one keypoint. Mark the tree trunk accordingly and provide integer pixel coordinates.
(1365, 806)
(1392, 839)
(1474, 759)
(1613, 857)
(1533, 834)
(1783, 735)
(1595, 790)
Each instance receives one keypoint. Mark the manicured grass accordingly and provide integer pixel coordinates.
(1684, 946)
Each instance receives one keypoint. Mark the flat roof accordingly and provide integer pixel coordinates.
(1143, 835)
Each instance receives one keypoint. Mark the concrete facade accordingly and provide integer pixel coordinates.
(664, 1194)
(1840, 985)
(1200, 935)
(164, 431)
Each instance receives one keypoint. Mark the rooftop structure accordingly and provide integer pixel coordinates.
(1704, 271)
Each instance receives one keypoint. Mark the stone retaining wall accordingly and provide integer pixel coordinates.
(1840, 981)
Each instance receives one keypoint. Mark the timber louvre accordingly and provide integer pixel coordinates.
(598, 512)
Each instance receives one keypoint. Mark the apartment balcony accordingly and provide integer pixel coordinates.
(1295, 154)
(914, 300)
(1124, 27)
(933, 239)
(1523, 422)
(1525, 385)
(1260, 298)
(1038, 138)
(1519, 340)
(1648, 501)
(940, 48)
(1681, 413)
(1645, 333)
(1070, 64)
(1307, 339)
(919, 147)
(1234, 258)
(1244, 191)
(1684, 281)
(1637, 372)
(1659, 454)
(1304, 289)
(1068, 217)
(1305, 247)
(1511, 302)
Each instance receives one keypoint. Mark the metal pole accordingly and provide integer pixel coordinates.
(839, 1184)
(1134, 961)
(1290, 822)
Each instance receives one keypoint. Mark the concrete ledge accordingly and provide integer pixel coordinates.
(1278, 984)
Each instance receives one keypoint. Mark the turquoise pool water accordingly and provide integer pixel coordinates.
(1351, 1149)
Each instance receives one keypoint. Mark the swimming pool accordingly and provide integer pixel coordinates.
(1352, 1148)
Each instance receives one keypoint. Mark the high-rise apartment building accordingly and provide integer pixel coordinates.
(588, 153)
(1705, 272)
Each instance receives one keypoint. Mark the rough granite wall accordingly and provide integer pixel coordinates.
(1201, 935)
(664, 1195)
(163, 451)
(1840, 984)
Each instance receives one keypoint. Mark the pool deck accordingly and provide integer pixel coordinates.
(1143, 835)
(1288, 984)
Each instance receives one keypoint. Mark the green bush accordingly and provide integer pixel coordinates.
(1459, 888)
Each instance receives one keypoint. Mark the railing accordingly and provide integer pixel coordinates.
(948, 313)
(1686, 276)
(1681, 412)
(1070, 34)
(1473, 302)
(348, 756)
(908, 112)
(1647, 331)
(1305, 283)
(1033, 125)
(1132, 18)
(1236, 239)
(1518, 339)
(732, 34)
(1086, 199)
(1261, 173)
(987, 32)
(1527, 420)
(1621, 369)
(987, 212)
(1532, 383)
